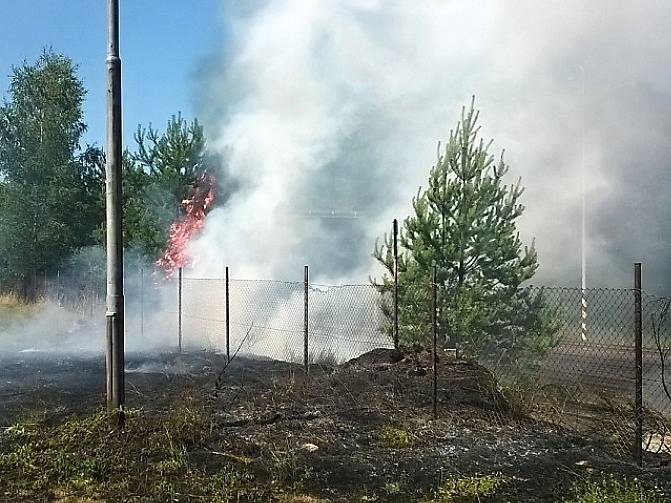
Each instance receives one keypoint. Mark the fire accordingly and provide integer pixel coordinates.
(183, 229)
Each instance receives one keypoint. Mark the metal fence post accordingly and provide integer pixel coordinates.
(179, 310)
(58, 288)
(228, 325)
(141, 301)
(434, 328)
(306, 285)
(638, 332)
(396, 338)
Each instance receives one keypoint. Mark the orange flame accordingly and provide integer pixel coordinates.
(182, 230)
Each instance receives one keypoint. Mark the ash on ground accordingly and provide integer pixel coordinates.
(362, 425)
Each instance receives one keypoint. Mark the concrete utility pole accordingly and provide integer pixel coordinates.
(114, 354)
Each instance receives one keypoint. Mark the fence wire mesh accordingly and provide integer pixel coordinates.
(267, 319)
(583, 379)
(656, 386)
(586, 378)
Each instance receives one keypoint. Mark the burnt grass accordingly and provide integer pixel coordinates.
(360, 431)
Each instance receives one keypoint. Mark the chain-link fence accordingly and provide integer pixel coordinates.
(656, 322)
(287, 321)
(582, 376)
(587, 379)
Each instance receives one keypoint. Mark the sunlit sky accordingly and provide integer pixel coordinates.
(164, 42)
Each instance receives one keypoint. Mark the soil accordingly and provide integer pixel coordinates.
(365, 427)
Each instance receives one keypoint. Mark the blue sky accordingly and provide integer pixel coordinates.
(163, 43)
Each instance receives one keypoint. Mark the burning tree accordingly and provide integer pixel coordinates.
(159, 176)
(186, 226)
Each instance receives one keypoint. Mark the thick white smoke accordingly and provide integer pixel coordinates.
(327, 114)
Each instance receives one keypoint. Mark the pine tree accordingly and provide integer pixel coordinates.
(464, 222)
(175, 159)
(164, 170)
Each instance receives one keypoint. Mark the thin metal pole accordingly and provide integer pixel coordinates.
(228, 325)
(179, 310)
(434, 328)
(142, 301)
(583, 226)
(638, 331)
(395, 232)
(306, 285)
(115, 299)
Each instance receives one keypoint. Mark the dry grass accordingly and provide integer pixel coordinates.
(10, 301)
(14, 310)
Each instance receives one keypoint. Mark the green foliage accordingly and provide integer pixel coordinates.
(152, 192)
(176, 158)
(396, 437)
(468, 488)
(52, 194)
(49, 196)
(465, 224)
(148, 212)
(613, 490)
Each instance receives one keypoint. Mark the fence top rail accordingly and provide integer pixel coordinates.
(282, 282)
(242, 280)
(649, 296)
(578, 289)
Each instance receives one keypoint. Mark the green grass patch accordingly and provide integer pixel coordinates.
(152, 460)
(395, 437)
(613, 490)
(469, 488)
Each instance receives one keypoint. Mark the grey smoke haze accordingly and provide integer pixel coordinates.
(70, 318)
(337, 105)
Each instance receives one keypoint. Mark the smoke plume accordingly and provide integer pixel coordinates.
(327, 115)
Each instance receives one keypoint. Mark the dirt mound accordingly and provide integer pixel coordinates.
(408, 374)
(379, 356)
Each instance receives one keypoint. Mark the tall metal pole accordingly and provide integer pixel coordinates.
(583, 225)
(115, 299)
(395, 232)
(638, 334)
